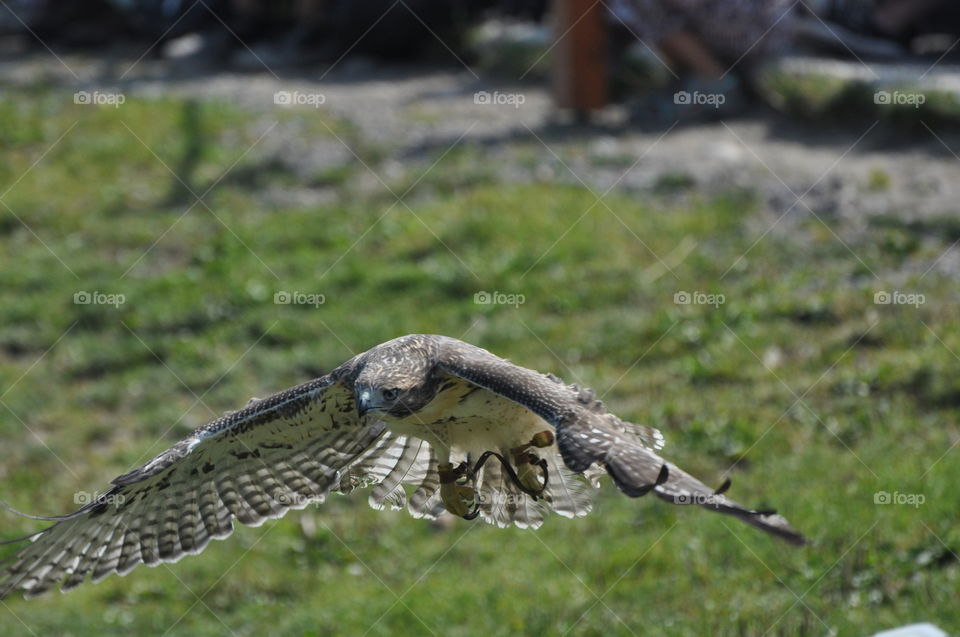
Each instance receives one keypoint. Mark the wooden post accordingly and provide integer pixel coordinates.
(580, 55)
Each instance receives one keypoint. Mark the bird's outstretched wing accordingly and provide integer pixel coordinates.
(588, 434)
(277, 454)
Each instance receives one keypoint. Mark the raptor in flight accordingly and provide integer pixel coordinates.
(434, 423)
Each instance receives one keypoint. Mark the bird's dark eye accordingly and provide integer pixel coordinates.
(390, 394)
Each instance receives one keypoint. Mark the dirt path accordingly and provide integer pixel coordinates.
(412, 115)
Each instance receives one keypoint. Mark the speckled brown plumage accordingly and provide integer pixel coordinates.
(387, 418)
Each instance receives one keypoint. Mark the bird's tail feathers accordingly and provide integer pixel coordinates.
(638, 470)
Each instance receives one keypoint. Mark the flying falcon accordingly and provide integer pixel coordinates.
(434, 423)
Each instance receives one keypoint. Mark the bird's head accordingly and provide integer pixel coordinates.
(397, 378)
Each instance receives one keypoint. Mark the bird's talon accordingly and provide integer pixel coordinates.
(457, 494)
(528, 473)
(457, 499)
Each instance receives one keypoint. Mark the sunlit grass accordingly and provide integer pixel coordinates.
(817, 396)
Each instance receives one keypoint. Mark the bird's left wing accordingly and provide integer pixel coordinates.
(278, 453)
(587, 434)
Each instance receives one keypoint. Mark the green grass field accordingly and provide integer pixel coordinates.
(816, 396)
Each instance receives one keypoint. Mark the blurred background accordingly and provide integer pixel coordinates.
(737, 221)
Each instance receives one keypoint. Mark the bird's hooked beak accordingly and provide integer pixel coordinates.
(365, 402)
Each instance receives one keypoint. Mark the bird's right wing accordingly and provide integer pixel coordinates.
(588, 435)
(278, 453)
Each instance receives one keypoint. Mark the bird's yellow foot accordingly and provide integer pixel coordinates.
(458, 496)
(531, 470)
(529, 473)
